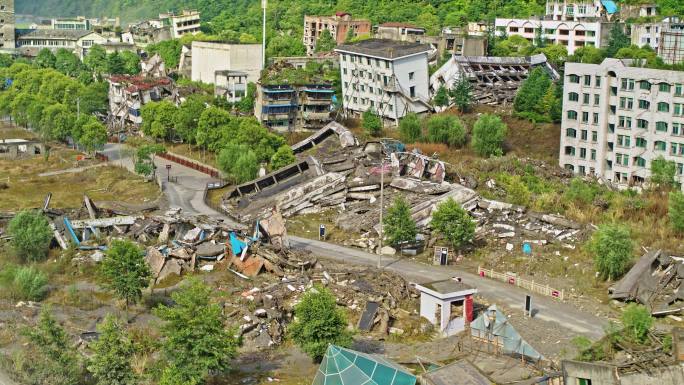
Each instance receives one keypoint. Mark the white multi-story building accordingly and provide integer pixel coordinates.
(572, 34)
(209, 57)
(390, 77)
(617, 119)
(186, 22)
(574, 10)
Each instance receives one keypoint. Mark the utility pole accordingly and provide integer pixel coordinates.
(264, 4)
(382, 191)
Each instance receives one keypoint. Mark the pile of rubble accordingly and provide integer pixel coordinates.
(656, 282)
(377, 300)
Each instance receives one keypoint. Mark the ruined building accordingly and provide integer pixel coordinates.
(617, 119)
(387, 76)
(127, 95)
(494, 80)
(294, 99)
(7, 24)
(338, 25)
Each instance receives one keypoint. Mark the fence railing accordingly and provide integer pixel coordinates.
(513, 279)
(190, 164)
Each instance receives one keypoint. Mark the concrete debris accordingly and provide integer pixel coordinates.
(656, 282)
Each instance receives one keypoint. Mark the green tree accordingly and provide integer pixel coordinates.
(6, 60)
(94, 98)
(31, 235)
(169, 50)
(446, 129)
(208, 134)
(372, 122)
(111, 360)
(430, 22)
(144, 159)
(617, 40)
(441, 98)
(283, 157)
(94, 136)
(158, 119)
(246, 167)
(676, 211)
(489, 133)
(349, 37)
(536, 97)
(247, 103)
(187, 118)
(67, 63)
(410, 128)
(462, 94)
(115, 64)
(45, 59)
(131, 62)
(51, 358)
(319, 323)
(637, 322)
(663, 173)
(398, 225)
(587, 54)
(325, 42)
(125, 271)
(612, 248)
(195, 341)
(25, 283)
(453, 223)
(96, 59)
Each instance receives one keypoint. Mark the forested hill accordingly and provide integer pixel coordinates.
(236, 11)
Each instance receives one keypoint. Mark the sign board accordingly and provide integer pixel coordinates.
(528, 305)
(441, 256)
(321, 232)
(168, 167)
(555, 294)
(511, 280)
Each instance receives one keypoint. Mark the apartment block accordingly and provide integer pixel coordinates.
(78, 23)
(579, 9)
(30, 41)
(210, 57)
(7, 20)
(338, 25)
(390, 77)
(572, 34)
(671, 47)
(618, 118)
(186, 22)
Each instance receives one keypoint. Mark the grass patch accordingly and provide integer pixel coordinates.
(194, 153)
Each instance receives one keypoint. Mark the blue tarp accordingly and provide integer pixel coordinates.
(610, 6)
(236, 245)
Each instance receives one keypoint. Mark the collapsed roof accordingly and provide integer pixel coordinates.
(492, 325)
(494, 80)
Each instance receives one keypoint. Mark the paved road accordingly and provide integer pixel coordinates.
(188, 192)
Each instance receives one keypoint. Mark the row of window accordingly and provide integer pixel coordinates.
(364, 59)
(586, 98)
(368, 102)
(570, 150)
(584, 134)
(627, 84)
(586, 80)
(548, 31)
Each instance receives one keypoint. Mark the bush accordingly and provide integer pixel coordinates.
(410, 128)
(489, 133)
(663, 172)
(637, 321)
(124, 271)
(372, 122)
(24, 283)
(283, 157)
(612, 248)
(676, 211)
(581, 191)
(518, 192)
(446, 129)
(239, 163)
(319, 323)
(31, 235)
(453, 222)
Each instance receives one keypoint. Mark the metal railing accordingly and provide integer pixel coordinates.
(191, 164)
(513, 279)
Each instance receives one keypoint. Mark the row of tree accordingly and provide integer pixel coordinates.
(55, 105)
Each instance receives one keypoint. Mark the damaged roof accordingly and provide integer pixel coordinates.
(139, 83)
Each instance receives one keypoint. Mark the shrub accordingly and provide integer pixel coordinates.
(612, 248)
(462, 94)
(446, 129)
(410, 128)
(453, 222)
(24, 283)
(319, 323)
(518, 192)
(663, 172)
(124, 271)
(637, 321)
(31, 235)
(372, 122)
(283, 157)
(676, 211)
(581, 191)
(489, 133)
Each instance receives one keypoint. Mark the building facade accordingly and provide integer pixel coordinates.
(578, 9)
(30, 42)
(230, 85)
(387, 76)
(78, 23)
(399, 31)
(127, 95)
(7, 20)
(294, 107)
(338, 25)
(186, 22)
(617, 119)
(209, 57)
(572, 34)
(671, 46)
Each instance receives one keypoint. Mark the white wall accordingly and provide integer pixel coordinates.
(207, 58)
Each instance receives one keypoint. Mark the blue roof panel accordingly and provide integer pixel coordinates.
(610, 6)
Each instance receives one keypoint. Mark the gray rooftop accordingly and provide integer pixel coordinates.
(66, 34)
(230, 73)
(461, 372)
(446, 286)
(384, 48)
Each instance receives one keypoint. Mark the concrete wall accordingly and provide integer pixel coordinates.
(209, 57)
(599, 374)
(7, 26)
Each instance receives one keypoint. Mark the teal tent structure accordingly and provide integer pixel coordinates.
(341, 366)
(611, 7)
(492, 325)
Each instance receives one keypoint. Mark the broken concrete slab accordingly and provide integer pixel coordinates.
(208, 249)
(171, 267)
(155, 260)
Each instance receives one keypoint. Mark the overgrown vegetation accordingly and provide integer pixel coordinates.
(125, 271)
(489, 133)
(31, 235)
(398, 226)
(612, 248)
(452, 222)
(538, 98)
(24, 283)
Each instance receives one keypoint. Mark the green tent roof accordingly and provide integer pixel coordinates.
(342, 366)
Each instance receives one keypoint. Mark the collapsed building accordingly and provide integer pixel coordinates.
(334, 172)
(294, 99)
(494, 80)
(128, 93)
(654, 281)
